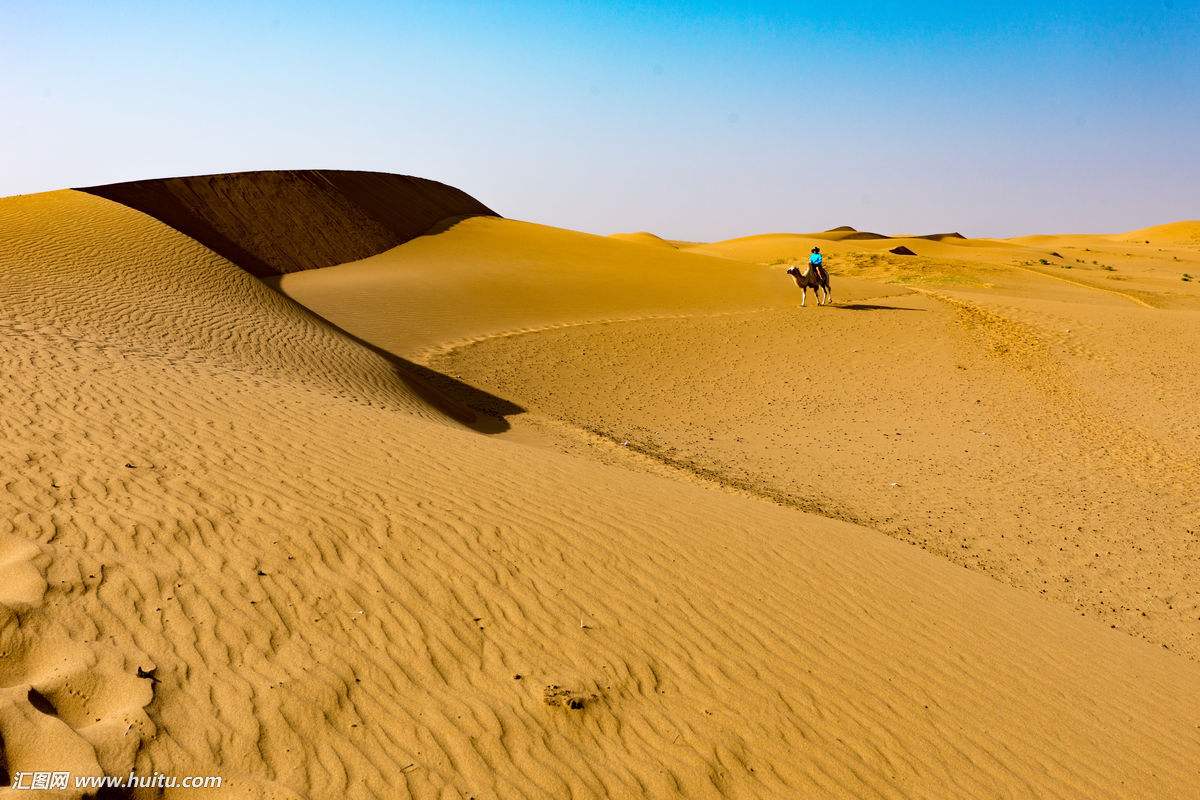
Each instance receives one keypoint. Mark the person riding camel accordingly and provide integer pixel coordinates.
(817, 262)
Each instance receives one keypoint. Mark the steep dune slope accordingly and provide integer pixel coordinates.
(112, 322)
(271, 223)
(337, 592)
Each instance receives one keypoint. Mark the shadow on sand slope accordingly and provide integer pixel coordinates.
(479, 410)
(271, 223)
(275, 222)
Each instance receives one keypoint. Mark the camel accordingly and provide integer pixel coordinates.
(812, 277)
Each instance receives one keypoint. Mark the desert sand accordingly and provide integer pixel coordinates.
(367, 491)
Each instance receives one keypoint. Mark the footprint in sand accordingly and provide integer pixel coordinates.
(63, 706)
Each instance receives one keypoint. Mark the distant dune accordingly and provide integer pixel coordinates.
(937, 237)
(847, 233)
(275, 222)
(764, 246)
(847, 236)
(642, 237)
(1172, 233)
(1186, 231)
(780, 247)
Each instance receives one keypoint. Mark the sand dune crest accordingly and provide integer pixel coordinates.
(271, 223)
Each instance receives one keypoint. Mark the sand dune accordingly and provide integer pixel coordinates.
(272, 223)
(508, 276)
(1146, 274)
(937, 237)
(1187, 231)
(747, 245)
(844, 232)
(239, 540)
(794, 246)
(642, 237)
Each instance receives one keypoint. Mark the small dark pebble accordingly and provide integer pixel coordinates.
(517, 677)
(130, 466)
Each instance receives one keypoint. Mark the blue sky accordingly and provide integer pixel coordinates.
(696, 120)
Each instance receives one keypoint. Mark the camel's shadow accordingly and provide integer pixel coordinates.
(871, 307)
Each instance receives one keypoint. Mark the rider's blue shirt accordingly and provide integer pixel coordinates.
(815, 259)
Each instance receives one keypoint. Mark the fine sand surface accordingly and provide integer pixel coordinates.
(246, 539)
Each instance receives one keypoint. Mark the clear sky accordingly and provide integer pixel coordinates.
(694, 120)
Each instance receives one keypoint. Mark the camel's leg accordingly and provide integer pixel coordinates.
(803, 295)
